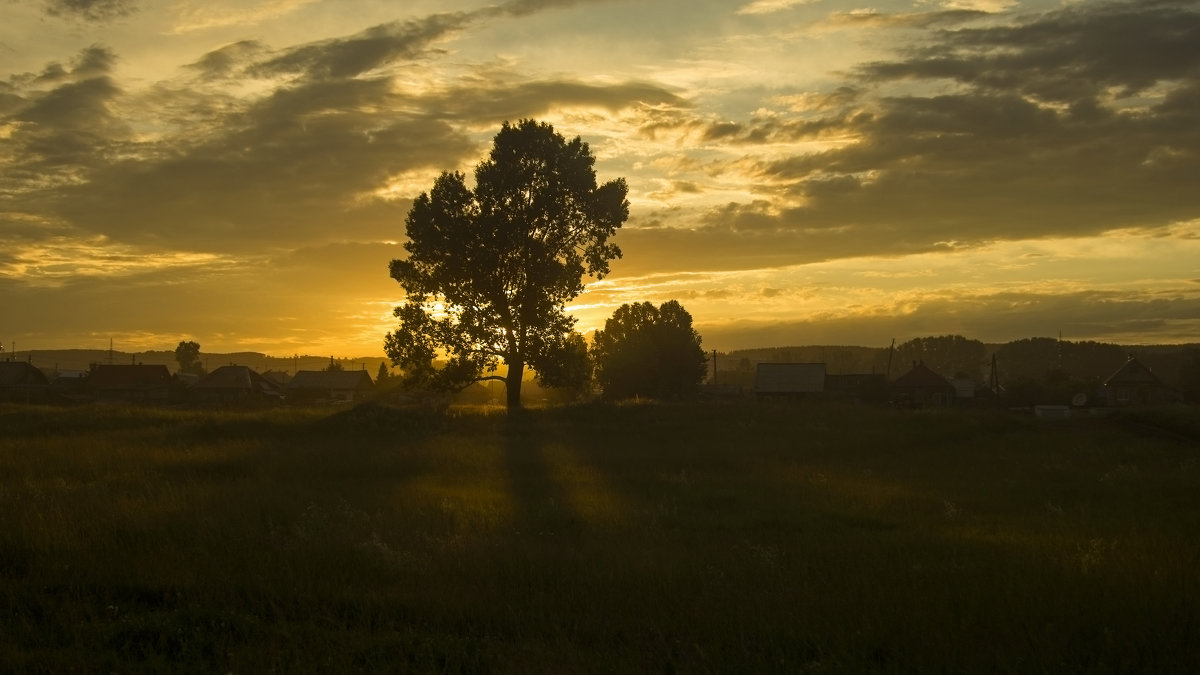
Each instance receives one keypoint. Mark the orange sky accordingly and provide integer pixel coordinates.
(800, 171)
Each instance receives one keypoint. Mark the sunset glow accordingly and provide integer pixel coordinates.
(799, 171)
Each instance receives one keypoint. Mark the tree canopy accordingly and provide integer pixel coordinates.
(649, 351)
(187, 354)
(947, 355)
(490, 269)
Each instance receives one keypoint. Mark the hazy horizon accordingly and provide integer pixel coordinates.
(800, 171)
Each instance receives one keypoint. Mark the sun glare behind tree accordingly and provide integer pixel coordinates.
(490, 270)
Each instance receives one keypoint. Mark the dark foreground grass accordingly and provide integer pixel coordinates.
(598, 539)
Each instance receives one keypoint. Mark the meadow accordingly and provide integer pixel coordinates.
(686, 538)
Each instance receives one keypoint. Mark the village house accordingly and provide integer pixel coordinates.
(279, 377)
(21, 382)
(1136, 384)
(235, 385)
(922, 388)
(329, 386)
(130, 383)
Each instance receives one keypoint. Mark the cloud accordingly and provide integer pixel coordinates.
(56, 135)
(146, 295)
(373, 48)
(1108, 317)
(229, 60)
(770, 6)
(494, 99)
(91, 10)
(1065, 55)
(870, 18)
(298, 165)
(1046, 130)
(218, 13)
(262, 169)
(311, 157)
(527, 7)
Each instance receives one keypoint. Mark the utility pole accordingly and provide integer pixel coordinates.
(891, 350)
(714, 367)
(994, 378)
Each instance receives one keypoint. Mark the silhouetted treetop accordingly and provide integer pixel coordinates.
(187, 354)
(490, 269)
(649, 351)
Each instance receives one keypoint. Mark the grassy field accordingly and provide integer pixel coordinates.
(636, 538)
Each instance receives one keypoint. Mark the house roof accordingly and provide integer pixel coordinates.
(1133, 372)
(18, 373)
(331, 379)
(921, 377)
(241, 378)
(789, 378)
(279, 377)
(129, 377)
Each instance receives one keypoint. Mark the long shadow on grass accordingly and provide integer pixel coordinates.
(653, 455)
(539, 503)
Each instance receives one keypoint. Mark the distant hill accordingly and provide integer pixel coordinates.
(50, 360)
(838, 359)
(1020, 359)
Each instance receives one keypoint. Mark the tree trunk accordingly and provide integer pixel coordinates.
(512, 382)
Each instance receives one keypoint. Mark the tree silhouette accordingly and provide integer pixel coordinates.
(187, 354)
(649, 351)
(490, 269)
(568, 369)
(946, 355)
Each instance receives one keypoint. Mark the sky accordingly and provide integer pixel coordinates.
(238, 172)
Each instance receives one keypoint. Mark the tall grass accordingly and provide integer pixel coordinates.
(635, 538)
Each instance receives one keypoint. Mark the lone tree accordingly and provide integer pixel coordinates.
(649, 351)
(188, 356)
(490, 269)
